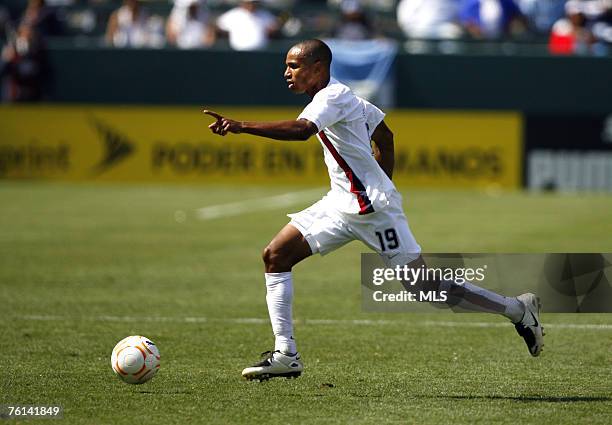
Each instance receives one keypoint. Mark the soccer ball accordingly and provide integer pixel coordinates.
(135, 359)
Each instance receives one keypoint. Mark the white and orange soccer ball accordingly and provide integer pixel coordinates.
(135, 359)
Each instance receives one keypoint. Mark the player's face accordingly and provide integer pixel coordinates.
(300, 74)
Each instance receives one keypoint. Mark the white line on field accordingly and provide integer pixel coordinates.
(259, 204)
(332, 322)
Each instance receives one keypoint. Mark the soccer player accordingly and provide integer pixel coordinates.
(362, 204)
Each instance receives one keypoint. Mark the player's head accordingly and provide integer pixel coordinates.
(308, 65)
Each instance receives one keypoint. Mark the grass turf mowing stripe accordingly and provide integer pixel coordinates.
(233, 209)
(347, 322)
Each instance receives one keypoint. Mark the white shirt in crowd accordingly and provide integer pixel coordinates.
(428, 18)
(345, 123)
(247, 30)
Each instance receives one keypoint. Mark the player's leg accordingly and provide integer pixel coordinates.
(388, 233)
(316, 229)
(285, 250)
(468, 296)
(523, 310)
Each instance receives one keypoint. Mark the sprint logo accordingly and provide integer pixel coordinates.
(117, 146)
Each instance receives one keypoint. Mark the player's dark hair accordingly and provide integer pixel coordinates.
(316, 50)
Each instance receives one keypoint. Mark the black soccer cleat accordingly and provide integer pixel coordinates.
(530, 327)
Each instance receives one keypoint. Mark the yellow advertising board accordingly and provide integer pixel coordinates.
(173, 144)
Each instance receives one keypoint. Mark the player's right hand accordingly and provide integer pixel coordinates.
(222, 125)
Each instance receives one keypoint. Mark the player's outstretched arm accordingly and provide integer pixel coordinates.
(383, 148)
(279, 130)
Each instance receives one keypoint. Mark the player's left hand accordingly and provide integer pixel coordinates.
(222, 125)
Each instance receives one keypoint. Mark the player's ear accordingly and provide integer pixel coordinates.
(319, 66)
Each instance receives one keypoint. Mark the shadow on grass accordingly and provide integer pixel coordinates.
(568, 399)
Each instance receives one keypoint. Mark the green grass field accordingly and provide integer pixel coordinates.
(82, 266)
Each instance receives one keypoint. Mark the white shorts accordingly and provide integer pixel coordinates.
(386, 231)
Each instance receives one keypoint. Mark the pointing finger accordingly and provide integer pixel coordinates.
(212, 114)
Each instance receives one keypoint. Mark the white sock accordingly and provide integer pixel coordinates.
(279, 296)
(475, 298)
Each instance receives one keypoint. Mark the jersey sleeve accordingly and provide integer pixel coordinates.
(323, 111)
(373, 116)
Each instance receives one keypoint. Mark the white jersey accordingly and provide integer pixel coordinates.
(346, 123)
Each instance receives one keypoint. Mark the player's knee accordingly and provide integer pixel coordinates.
(266, 254)
(271, 256)
(274, 259)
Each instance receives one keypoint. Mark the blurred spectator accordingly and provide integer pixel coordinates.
(127, 26)
(569, 35)
(42, 18)
(354, 24)
(249, 26)
(23, 67)
(586, 28)
(188, 25)
(602, 27)
(491, 18)
(131, 26)
(542, 14)
(436, 19)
